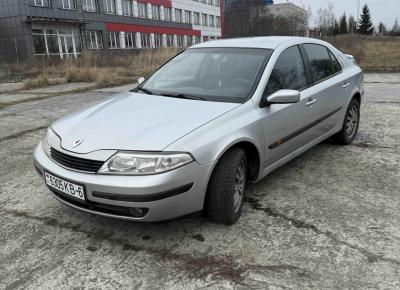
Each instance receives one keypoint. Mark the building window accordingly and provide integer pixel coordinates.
(178, 15)
(113, 40)
(218, 21)
(69, 4)
(196, 18)
(189, 40)
(94, 39)
(52, 42)
(142, 10)
(90, 5)
(188, 17)
(109, 6)
(179, 40)
(170, 40)
(167, 14)
(130, 40)
(157, 40)
(127, 8)
(42, 3)
(145, 39)
(39, 42)
(204, 19)
(211, 20)
(218, 3)
(156, 12)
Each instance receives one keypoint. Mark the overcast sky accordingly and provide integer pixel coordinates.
(381, 10)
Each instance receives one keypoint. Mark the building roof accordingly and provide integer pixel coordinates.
(269, 42)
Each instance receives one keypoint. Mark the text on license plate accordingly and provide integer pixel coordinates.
(66, 187)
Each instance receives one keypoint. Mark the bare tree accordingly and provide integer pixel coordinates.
(326, 19)
(352, 24)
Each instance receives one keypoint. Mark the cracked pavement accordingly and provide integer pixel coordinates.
(329, 219)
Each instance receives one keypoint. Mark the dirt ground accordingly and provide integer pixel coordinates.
(329, 219)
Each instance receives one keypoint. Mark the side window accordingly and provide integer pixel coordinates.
(336, 65)
(288, 73)
(322, 62)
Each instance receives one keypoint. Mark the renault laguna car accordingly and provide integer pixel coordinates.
(194, 133)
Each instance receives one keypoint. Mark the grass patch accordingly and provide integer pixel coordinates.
(373, 54)
(104, 70)
(42, 81)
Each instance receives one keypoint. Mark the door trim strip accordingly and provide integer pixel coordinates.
(302, 130)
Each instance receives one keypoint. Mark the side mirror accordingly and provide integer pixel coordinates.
(284, 97)
(140, 80)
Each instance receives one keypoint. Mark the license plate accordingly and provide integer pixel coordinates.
(64, 186)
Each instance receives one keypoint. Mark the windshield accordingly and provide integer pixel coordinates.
(211, 74)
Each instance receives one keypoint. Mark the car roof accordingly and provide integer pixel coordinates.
(268, 42)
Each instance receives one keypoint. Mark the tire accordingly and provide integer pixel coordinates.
(223, 203)
(350, 125)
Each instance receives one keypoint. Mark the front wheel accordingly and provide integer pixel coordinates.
(226, 190)
(350, 124)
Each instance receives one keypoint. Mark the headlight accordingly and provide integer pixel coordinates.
(50, 135)
(129, 163)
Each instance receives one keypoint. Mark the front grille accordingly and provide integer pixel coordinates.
(75, 163)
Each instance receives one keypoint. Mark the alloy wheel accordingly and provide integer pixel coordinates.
(239, 185)
(352, 119)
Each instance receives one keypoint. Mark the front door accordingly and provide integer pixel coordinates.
(285, 125)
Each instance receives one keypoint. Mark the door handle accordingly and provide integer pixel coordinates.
(346, 85)
(311, 102)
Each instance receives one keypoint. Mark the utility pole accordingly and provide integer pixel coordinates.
(358, 12)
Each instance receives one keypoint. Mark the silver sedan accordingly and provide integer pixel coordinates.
(192, 135)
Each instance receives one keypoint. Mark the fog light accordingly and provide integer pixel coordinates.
(138, 211)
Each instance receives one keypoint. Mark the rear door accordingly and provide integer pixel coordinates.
(329, 88)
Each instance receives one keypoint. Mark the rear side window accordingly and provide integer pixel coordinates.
(288, 72)
(322, 62)
(336, 66)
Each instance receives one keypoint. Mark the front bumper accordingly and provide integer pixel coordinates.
(168, 195)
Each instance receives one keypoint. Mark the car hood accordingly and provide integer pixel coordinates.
(133, 121)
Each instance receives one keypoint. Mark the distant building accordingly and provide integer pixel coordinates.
(32, 29)
(296, 18)
(293, 13)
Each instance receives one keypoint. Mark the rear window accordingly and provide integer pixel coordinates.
(323, 63)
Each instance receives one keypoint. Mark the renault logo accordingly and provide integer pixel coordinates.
(77, 143)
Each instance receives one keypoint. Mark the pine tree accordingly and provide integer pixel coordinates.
(382, 28)
(365, 25)
(343, 24)
(336, 29)
(396, 26)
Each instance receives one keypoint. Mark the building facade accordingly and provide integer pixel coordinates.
(296, 14)
(32, 29)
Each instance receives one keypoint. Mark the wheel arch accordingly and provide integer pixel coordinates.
(252, 154)
(253, 161)
(357, 96)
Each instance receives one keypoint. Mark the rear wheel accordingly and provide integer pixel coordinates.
(350, 124)
(226, 190)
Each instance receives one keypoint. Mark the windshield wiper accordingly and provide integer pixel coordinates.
(183, 96)
(147, 91)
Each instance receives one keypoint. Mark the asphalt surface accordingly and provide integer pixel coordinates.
(327, 220)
